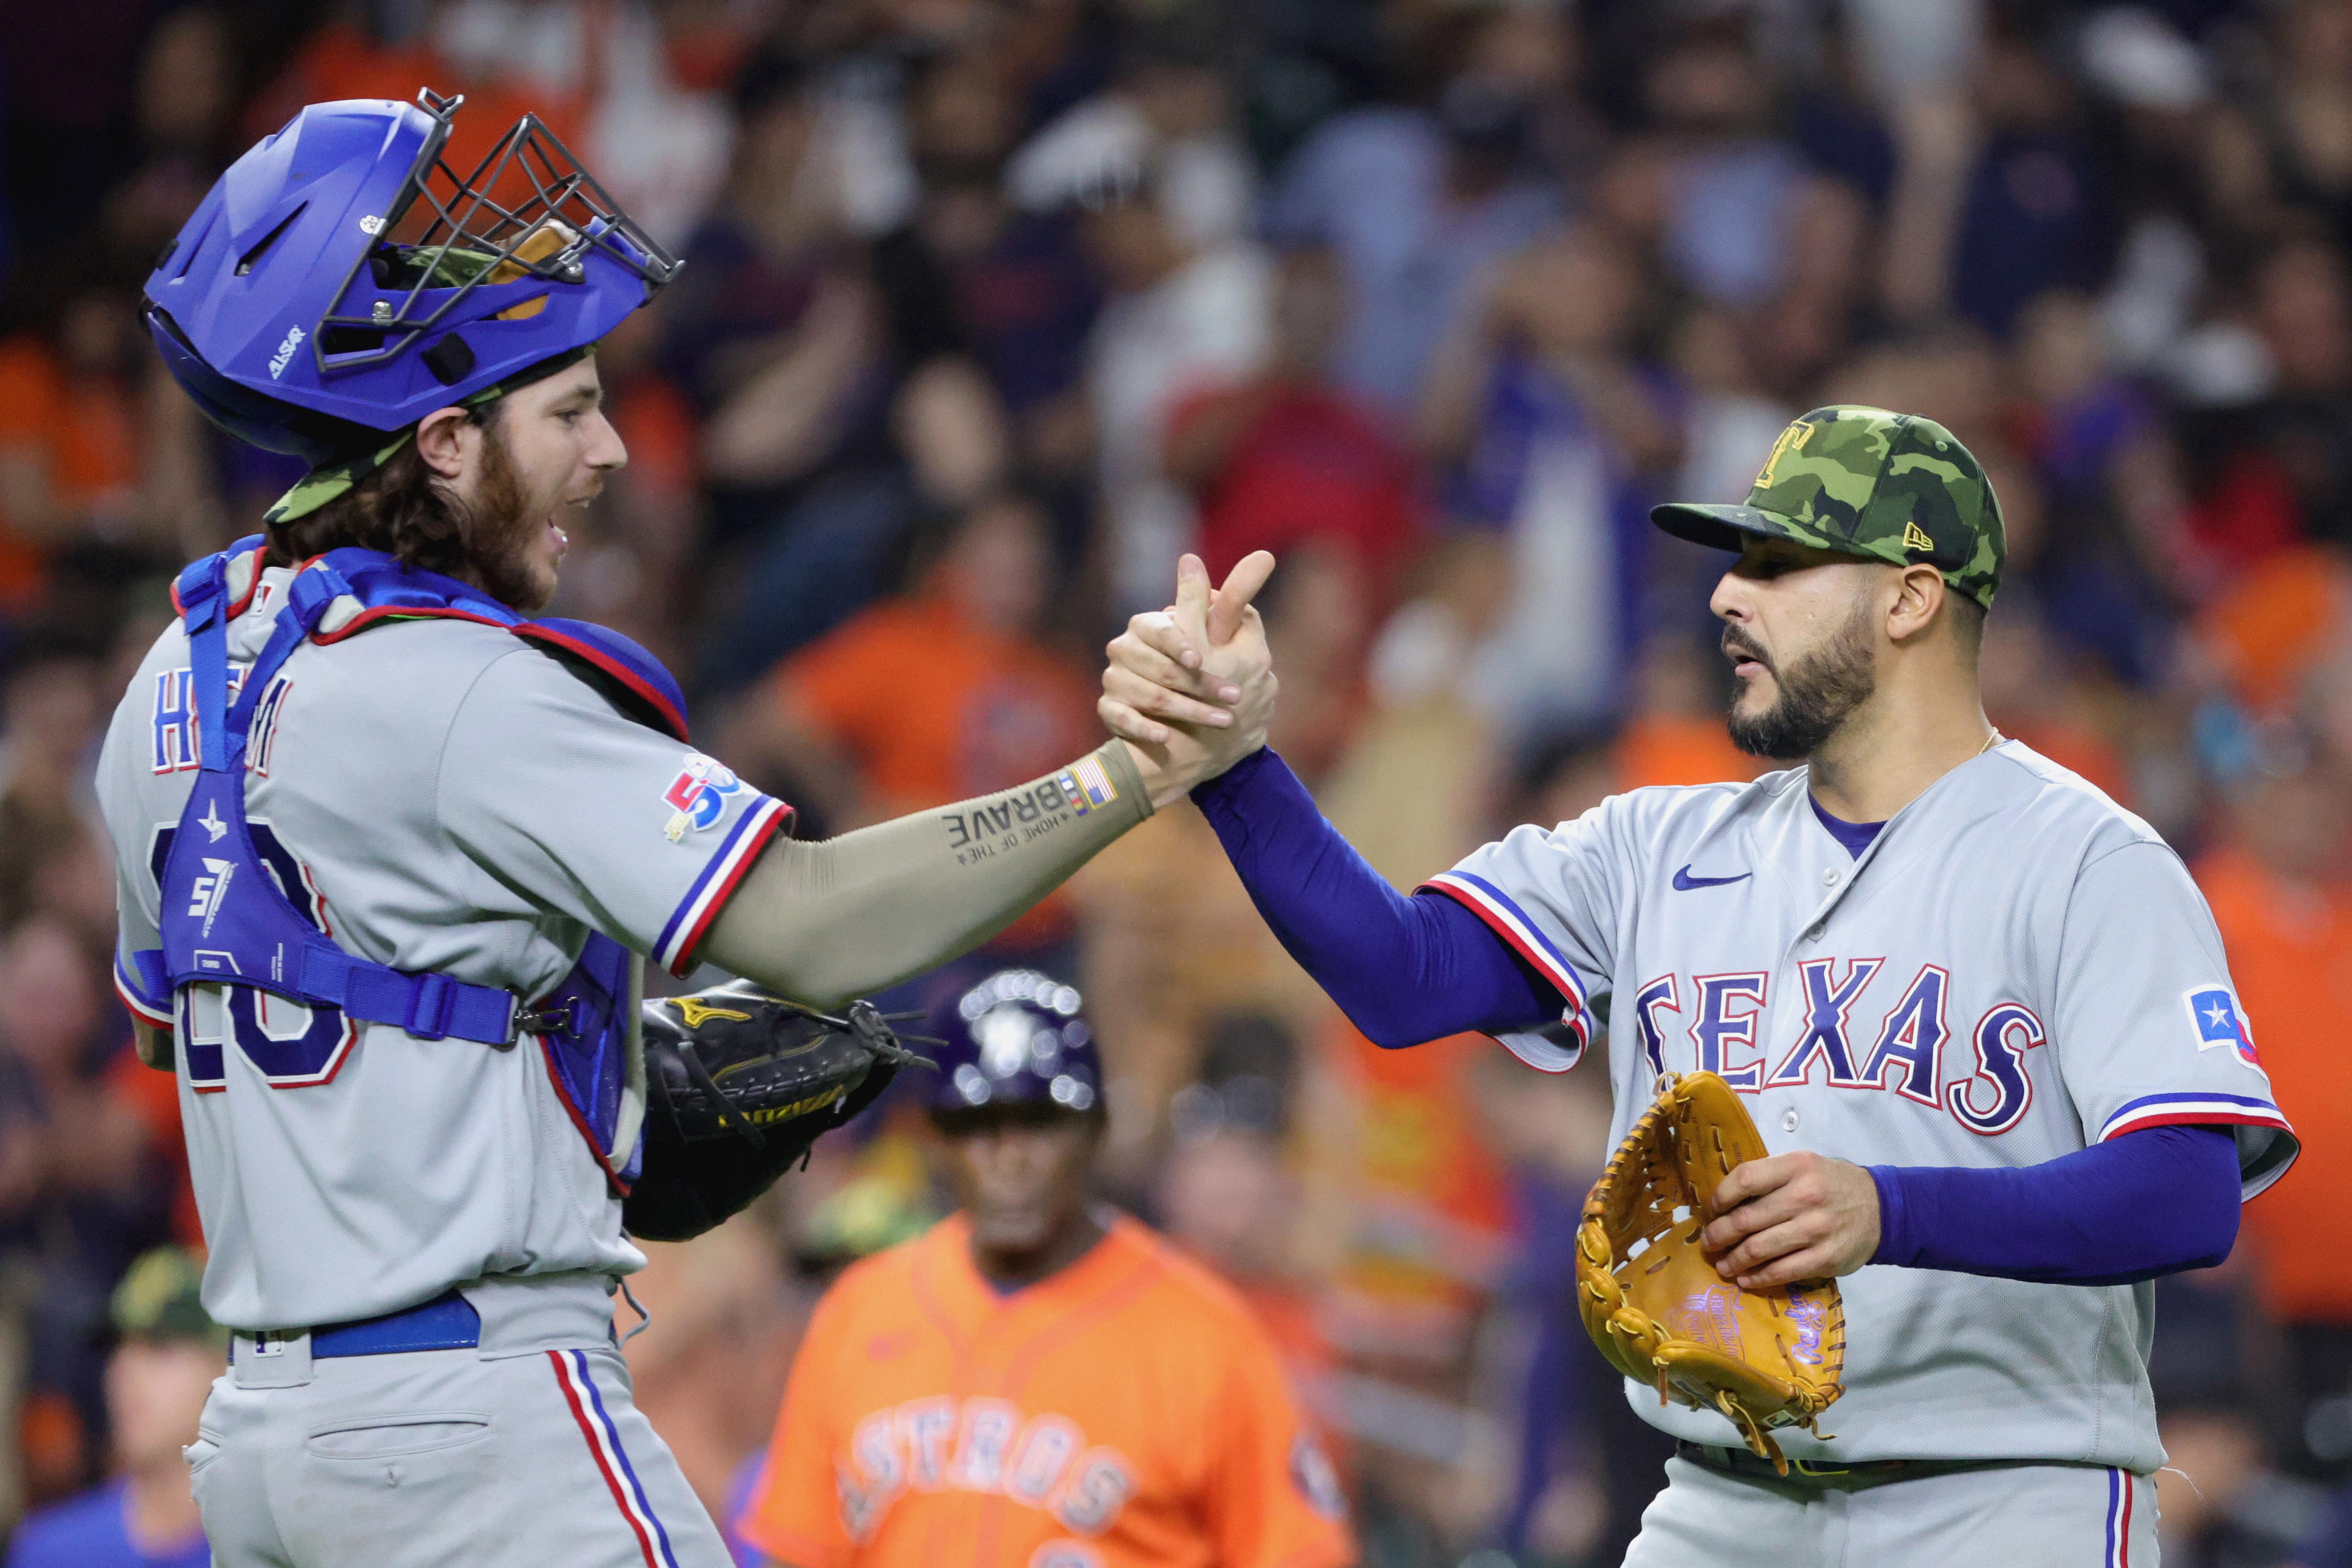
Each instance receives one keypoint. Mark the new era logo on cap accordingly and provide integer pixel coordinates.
(2218, 1022)
(1915, 538)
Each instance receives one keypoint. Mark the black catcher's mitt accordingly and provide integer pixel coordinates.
(739, 1086)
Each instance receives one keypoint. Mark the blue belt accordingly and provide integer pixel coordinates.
(447, 1321)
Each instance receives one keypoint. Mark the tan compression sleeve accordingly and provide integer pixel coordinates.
(826, 922)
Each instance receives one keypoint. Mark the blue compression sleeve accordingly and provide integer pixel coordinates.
(1404, 969)
(2151, 1202)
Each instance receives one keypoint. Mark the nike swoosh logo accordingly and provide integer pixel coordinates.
(1685, 882)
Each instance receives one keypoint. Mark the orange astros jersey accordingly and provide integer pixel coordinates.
(1127, 1412)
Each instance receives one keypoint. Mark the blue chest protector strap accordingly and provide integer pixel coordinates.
(230, 913)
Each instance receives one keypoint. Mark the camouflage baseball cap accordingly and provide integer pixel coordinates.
(162, 1298)
(1891, 486)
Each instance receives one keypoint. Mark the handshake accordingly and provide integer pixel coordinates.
(1189, 688)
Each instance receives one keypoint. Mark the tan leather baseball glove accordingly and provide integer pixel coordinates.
(1655, 1304)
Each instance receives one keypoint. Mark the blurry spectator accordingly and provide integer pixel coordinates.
(660, 150)
(73, 1167)
(50, 717)
(2302, 306)
(2310, 105)
(2274, 623)
(721, 1326)
(2330, 1544)
(1675, 730)
(1414, 204)
(157, 1380)
(186, 93)
(70, 427)
(1182, 319)
(1730, 191)
(1225, 1194)
(938, 697)
(1168, 110)
(827, 420)
(1560, 435)
(2220, 1507)
(2280, 893)
(363, 53)
(2033, 215)
(1013, 283)
(1575, 1498)
(2031, 695)
(1284, 459)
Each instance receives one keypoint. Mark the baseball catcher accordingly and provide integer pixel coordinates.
(392, 847)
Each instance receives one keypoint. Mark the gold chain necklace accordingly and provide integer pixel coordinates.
(1995, 739)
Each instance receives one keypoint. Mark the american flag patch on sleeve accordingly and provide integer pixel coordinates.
(1086, 783)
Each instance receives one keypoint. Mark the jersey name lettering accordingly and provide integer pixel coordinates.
(1988, 1090)
(980, 1444)
(179, 737)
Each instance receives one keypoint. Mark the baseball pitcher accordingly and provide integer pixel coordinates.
(1978, 1013)
(390, 849)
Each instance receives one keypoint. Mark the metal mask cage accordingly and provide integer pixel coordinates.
(529, 209)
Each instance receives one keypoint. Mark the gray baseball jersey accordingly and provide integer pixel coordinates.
(2014, 969)
(440, 797)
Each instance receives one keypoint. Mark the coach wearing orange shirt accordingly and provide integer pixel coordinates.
(1037, 1383)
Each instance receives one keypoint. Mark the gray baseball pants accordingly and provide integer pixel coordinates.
(2016, 1516)
(438, 1459)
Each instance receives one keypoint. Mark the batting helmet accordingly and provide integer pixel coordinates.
(340, 281)
(1015, 1039)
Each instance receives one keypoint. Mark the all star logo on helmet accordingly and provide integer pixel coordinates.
(285, 354)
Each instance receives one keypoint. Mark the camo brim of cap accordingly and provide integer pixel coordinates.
(330, 481)
(1729, 528)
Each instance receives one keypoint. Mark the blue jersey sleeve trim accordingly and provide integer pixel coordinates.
(144, 986)
(1511, 923)
(673, 950)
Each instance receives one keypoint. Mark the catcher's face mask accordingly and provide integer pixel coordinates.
(342, 280)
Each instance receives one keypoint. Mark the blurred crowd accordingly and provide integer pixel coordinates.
(990, 307)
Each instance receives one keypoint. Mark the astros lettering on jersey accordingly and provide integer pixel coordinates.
(1126, 1411)
(2014, 969)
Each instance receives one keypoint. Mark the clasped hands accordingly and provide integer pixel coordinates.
(1189, 688)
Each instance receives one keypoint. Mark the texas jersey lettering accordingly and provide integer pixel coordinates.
(2015, 968)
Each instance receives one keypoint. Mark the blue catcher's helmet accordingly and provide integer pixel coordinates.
(1015, 1039)
(342, 282)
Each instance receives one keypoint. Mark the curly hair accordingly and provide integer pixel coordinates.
(402, 509)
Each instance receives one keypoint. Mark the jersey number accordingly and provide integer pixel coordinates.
(293, 1044)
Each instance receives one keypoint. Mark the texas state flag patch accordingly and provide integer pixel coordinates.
(2218, 1022)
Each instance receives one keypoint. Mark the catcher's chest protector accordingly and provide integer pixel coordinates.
(243, 930)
